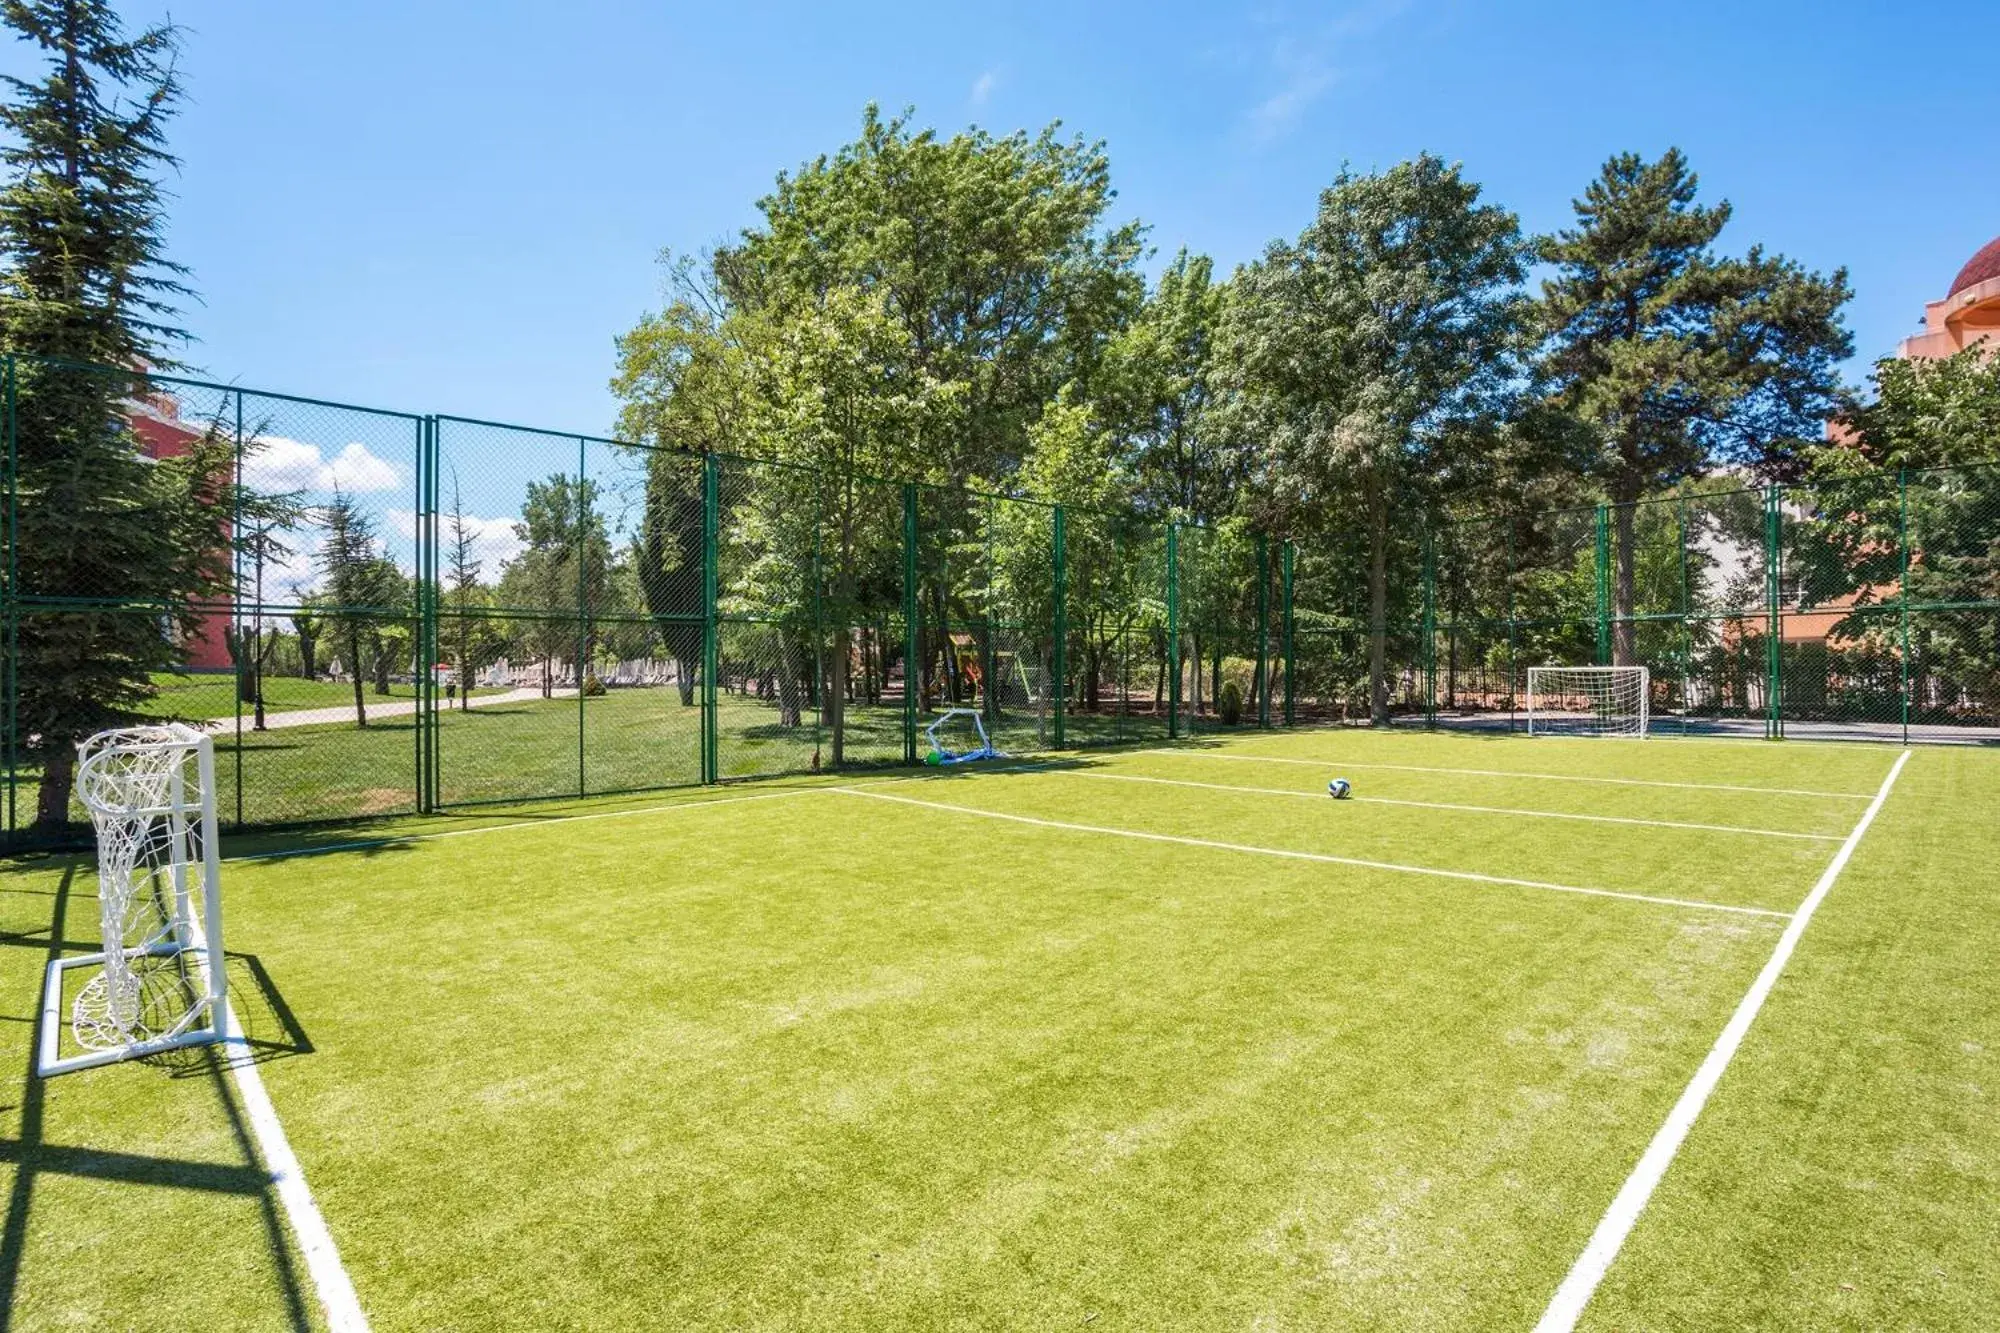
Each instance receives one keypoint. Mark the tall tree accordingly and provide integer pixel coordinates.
(309, 623)
(471, 635)
(994, 255)
(83, 277)
(684, 385)
(837, 396)
(1359, 356)
(1678, 358)
(361, 588)
(562, 570)
(1156, 390)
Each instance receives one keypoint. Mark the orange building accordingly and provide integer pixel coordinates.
(1969, 313)
(156, 422)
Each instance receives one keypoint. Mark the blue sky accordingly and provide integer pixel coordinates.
(454, 207)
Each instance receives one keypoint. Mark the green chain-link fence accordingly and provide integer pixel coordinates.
(383, 613)
(1863, 608)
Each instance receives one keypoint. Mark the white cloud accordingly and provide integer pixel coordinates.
(279, 465)
(493, 539)
(288, 575)
(983, 86)
(1278, 113)
(1301, 62)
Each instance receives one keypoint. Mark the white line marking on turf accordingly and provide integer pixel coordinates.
(1589, 1270)
(1313, 856)
(1448, 805)
(309, 1229)
(1508, 773)
(400, 839)
(396, 839)
(336, 1289)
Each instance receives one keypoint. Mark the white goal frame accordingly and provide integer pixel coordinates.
(159, 981)
(1589, 701)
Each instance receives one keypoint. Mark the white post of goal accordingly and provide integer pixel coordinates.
(1589, 701)
(160, 976)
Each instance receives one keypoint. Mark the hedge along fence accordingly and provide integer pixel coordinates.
(418, 612)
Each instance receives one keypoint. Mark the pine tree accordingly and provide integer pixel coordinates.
(83, 279)
(1676, 358)
(465, 570)
(358, 585)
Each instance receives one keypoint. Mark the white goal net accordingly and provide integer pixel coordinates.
(157, 981)
(1587, 701)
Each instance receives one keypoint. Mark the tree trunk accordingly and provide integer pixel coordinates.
(257, 663)
(1194, 658)
(788, 680)
(382, 665)
(1624, 576)
(354, 673)
(307, 666)
(464, 673)
(52, 798)
(1378, 603)
(948, 650)
(836, 693)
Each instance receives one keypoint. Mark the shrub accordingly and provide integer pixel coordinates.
(1229, 704)
(592, 685)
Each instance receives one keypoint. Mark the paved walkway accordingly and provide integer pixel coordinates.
(377, 707)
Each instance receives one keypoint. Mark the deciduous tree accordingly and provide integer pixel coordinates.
(1360, 356)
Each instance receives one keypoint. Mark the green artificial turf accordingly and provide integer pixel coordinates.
(791, 1056)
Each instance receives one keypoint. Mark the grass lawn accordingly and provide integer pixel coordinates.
(1137, 1039)
(629, 739)
(206, 697)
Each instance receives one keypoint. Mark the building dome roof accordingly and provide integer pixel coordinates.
(1984, 265)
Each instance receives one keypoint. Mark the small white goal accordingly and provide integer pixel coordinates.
(1588, 700)
(157, 982)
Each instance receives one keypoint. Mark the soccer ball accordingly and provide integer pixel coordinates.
(1338, 789)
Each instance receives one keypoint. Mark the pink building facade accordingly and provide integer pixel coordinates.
(1968, 315)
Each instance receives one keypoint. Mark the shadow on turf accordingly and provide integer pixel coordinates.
(32, 1156)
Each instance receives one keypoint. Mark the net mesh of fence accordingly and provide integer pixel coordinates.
(378, 612)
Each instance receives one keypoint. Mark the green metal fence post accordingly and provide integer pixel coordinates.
(1513, 649)
(988, 657)
(1173, 631)
(711, 526)
(1059, 687)
(1903, 589)
(427, 713)
(1263, 631)
(416, 614)
(1291, 666)
(1427, 653)
(461, 671)
(817, 701)
(1603, 562)
(1687, 615)
(913, 672)
(11, 683)
(256, 647)
(1774, 679)
(582, 601)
